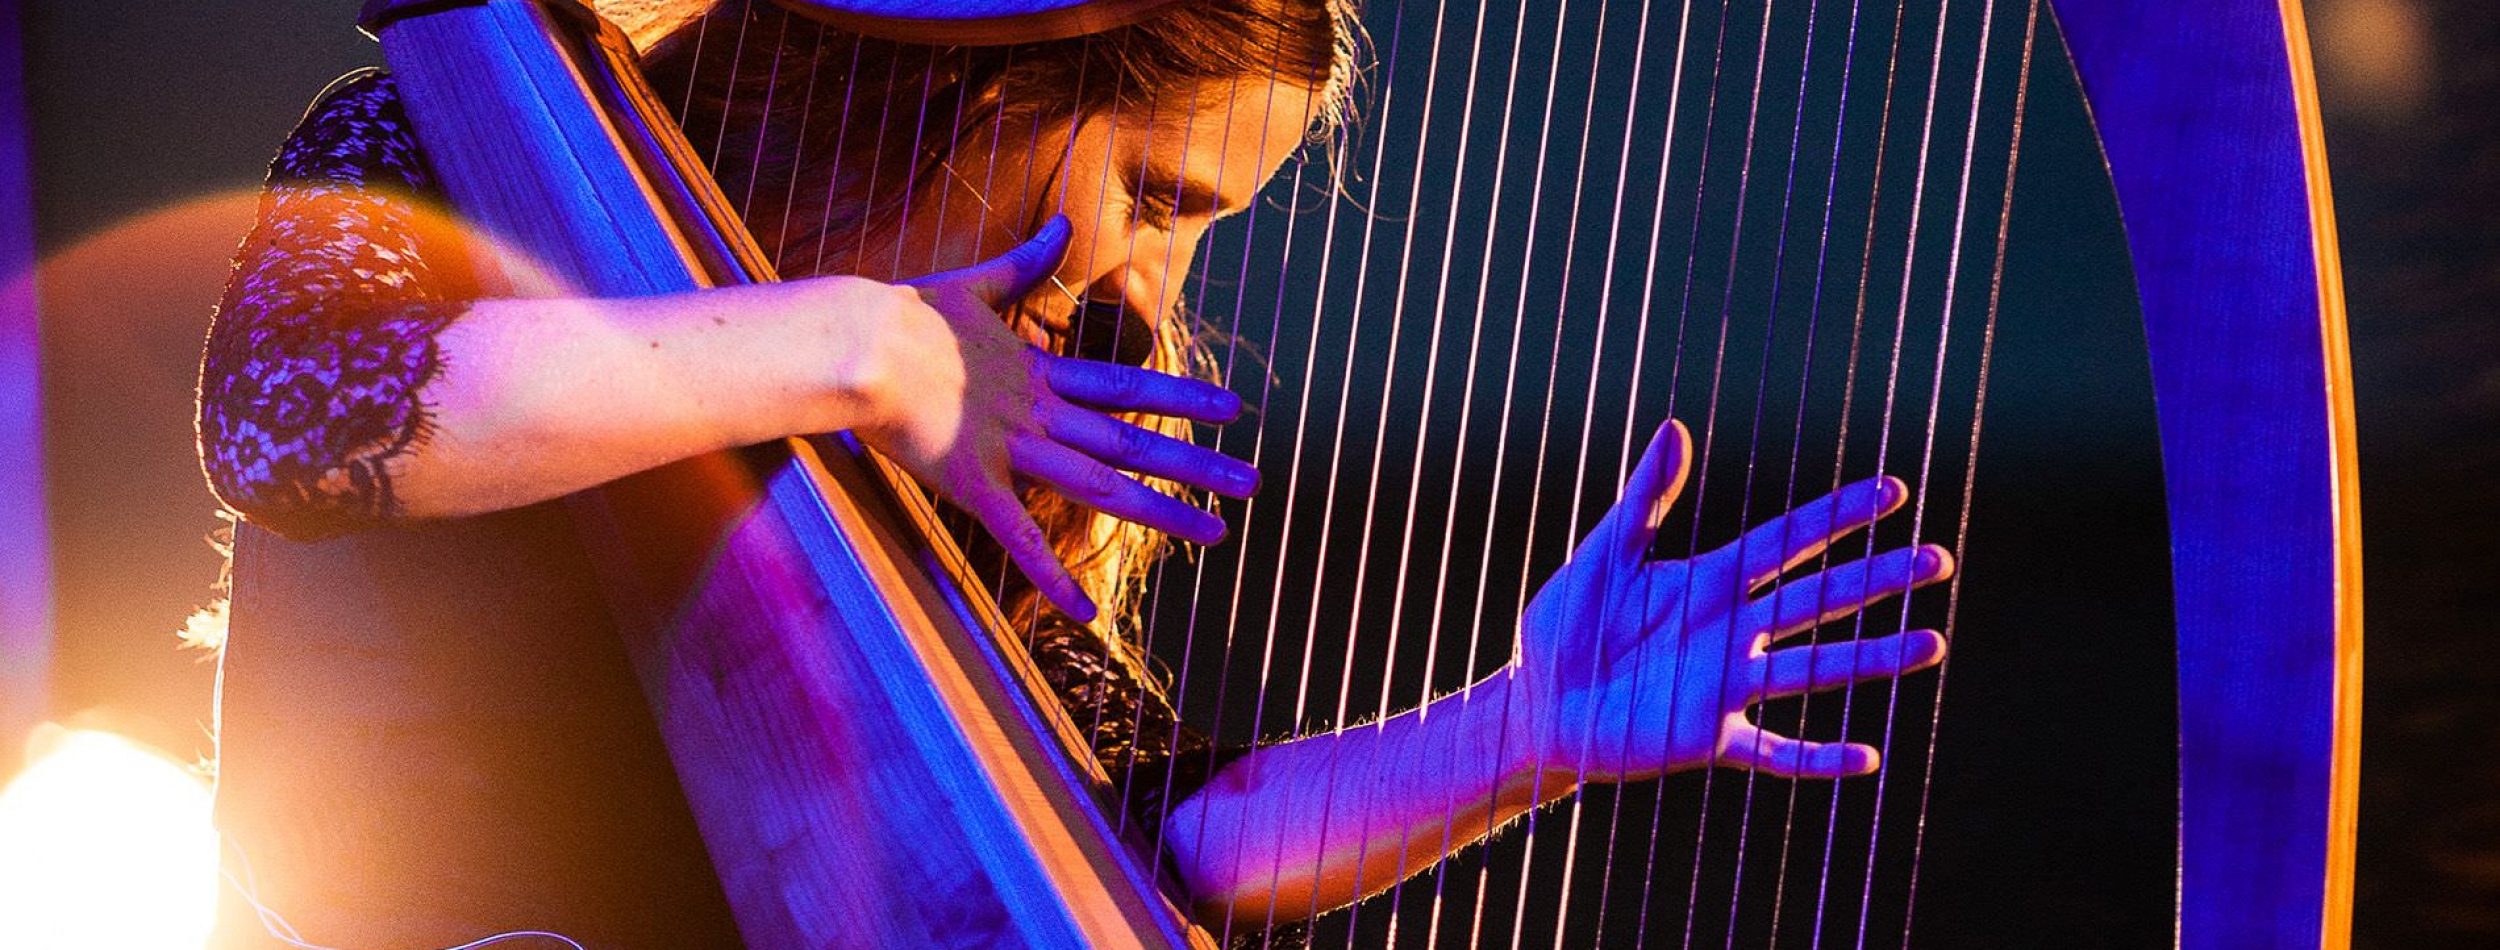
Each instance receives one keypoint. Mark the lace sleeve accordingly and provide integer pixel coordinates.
(325, 339)
(1154, 759)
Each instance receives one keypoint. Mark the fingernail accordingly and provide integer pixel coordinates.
(1245, 480)
(1930, 560)
(1227, 407)
(1890, 491)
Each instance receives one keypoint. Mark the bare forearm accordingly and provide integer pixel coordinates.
(540, 398)
(1304, 826)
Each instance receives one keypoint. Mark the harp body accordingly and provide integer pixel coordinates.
(806, 642)
(860, 741)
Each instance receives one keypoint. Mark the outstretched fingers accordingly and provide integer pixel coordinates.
(1748, 746)
(1774, 546)
(1801, 670)
(1112, 387)
(1824, 596)
(1147, 452)
(1106, 489)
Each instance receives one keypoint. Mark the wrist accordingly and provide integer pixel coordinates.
(1517, 730)
(847, 352)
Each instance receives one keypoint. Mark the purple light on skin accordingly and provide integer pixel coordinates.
(25, 538)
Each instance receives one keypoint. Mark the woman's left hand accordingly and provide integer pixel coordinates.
(1634, 667)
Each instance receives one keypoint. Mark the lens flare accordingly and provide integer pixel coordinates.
(104, 843)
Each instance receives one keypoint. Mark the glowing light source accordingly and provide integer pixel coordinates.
(104, 843)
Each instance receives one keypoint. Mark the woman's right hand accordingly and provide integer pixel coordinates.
(967, 407)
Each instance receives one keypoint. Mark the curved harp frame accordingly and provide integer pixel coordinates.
(2208, 118)
(2208, 115)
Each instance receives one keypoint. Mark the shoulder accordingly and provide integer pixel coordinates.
(355, 133)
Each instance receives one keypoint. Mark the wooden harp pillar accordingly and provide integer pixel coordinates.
(2209, 120)
(862, 748)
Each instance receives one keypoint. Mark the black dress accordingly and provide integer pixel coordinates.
(427, 732)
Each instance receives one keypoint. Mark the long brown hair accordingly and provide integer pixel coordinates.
(822, 135)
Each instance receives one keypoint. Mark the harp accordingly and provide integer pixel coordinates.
(819, 642)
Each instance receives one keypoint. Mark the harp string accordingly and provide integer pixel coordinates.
(1192, 313)
(1849, 389)
(1814, 314)
(1919, 497)
(1233, 348)
(1432, 367)
(1571, 232)
(1961, 533)
(1449, 516)
(1935, 403)
(1380, 429)
(798, 160)
(1710, 422)
(737, 58)
(772, 85)
(1587, 436)
(1762, 377)
(1354, 323)
(1580, 466)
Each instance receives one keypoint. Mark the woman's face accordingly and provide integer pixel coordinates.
(1139, 187)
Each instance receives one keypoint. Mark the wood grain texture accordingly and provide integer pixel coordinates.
(2209, 125)
(862, 746)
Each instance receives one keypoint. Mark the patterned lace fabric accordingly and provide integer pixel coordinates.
(311, 391)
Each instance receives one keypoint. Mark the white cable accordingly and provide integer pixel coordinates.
(284, 932)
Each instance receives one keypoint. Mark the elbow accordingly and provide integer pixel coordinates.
(1234, 885)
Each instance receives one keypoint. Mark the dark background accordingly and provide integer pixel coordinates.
(2052, 797)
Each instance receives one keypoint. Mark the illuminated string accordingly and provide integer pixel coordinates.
(1336, 451)
(1432, 366)
(1380, 428)
(1501, 456)
(1257, 452)
(772, 85)
(1918, 516)
(1449, 515)
(1762, 376)
(1796, 446)
(1588, 420)
(737, 57)
(1840, 455)
(1961, 532)
(833, 175)
(798, 161)
(1571, 242)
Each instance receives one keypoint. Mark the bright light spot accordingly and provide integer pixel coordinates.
(2377, 56)
(105, 844)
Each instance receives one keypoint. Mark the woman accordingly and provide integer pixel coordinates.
(426, 733)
